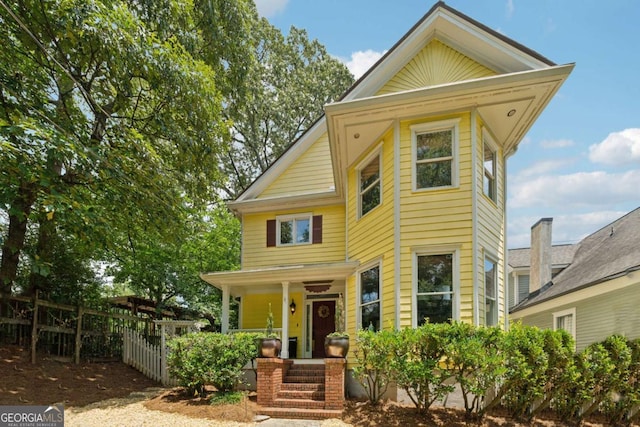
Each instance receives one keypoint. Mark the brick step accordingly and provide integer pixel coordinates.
(302, 387)
(307, 379)
(298, 403)
(301, 394)
(307, 367)
(299, 372)
(299, 413)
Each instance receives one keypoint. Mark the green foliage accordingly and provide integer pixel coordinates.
(268, 332)
(210, 358)
(339, 319)
(373, 356)
(475, 359)
(288, 86)
(417, 363)
(526, 364)
(226, 398)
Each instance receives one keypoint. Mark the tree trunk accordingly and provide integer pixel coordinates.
(14, 243)
(44, 251)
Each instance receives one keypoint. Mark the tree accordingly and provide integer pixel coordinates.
(111, 115)
(292, 80)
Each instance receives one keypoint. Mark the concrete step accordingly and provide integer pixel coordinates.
(300, 413)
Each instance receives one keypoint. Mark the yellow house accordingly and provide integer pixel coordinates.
(395, 198)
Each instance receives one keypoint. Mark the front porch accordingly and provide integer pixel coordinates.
(302, 299)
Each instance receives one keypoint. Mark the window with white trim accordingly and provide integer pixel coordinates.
(435, 287)
(293, 230)
(369, 184)
(489, 161)
(565, 319)
(491, 291)
(369, 300)
(434, 154)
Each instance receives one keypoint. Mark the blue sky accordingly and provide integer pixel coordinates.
(580, 163)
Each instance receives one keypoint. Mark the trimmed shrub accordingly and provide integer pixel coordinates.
(210, 358)
(475, 361)
(418, 364)
(373, 355)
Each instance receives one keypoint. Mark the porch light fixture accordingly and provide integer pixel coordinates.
(292, 307)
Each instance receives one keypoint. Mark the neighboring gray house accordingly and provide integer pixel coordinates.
(593, 295)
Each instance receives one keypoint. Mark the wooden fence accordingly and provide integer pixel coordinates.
(68, 332)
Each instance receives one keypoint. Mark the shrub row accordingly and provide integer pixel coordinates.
(210, 358)
(525, 370)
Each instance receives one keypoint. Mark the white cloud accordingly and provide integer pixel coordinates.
(361, 61)
(583, 189)
(269, 8)
(510, 8)
(618, 148)
(540, 168)
(568, 228)
(556, 143)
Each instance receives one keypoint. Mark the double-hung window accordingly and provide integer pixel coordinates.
(369, 302)
(490, 291)
(489, 161)
(565, 319)
(434, 154)
(435, 288)
(369, 185)
(294, 230)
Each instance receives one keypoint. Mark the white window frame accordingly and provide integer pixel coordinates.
(451, 124)
(487, 142)
(285, 218)
(455, 263)
(359, 304)
(568, 312)
(495, 299)
(377, 152)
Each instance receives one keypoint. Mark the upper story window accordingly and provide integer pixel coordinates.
(491, 291)
(435, 147)
(298, 229)
(489, 161)
(369, 302)
(369, 184)
(435, 287)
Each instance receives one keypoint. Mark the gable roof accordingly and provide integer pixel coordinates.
(561, 256)
(525, 83)
(611, 252)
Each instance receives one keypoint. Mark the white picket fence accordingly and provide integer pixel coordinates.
(147, 358)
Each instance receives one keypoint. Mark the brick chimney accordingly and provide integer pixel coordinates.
(540, 254)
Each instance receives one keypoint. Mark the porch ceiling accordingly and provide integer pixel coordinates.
(265, 277)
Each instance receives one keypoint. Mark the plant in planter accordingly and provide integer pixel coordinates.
(336, 344)
(269, 345)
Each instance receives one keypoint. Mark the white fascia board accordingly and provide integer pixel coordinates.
(271, 275)
(284, 161)
(286, 201)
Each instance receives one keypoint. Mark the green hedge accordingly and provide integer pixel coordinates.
(524, 371)
(210, 358)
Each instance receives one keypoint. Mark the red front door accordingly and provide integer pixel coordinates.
(324, 322)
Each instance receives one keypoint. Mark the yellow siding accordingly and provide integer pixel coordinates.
(436, 218)
(256, 306)
(371, 237)
(255, 252)
(311, 173)
(436, 64)
(490, 223)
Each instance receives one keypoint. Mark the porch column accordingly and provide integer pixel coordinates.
(225, 309)
(285, 320)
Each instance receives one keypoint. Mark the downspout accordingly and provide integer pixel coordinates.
(396, 219)
(474, 215)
